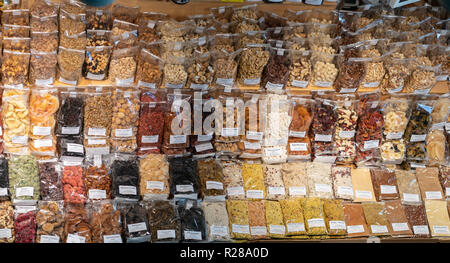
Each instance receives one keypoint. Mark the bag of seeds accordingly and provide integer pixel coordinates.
(123, 65)
(43, 68)
(149, 72)
(276, 72)
(70, 64)
(164, 221)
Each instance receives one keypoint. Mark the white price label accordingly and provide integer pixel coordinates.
(274, 86)
(253, 135)
(377, 229)
(221, 231)
(158, 185)
(298, 146)
(316, 222)
(75, 148)
(177, 139)
(230, 132)
(41, 131)
(204, 138)
(214, 185)
(72, 238)
(421, 230)
(47, 239)
(347, 134)
(235, 191)
(441, 230)
(127, 190)
(388, 189)
(110, 239)
(203, 147)
(5, 233)
(70, 130)
(277, 229)
(297, 134)
(42, 143)
(123, 132)
(295, 227)
(258, 231)
(433, 195)
(323, 137)
(252, 81)
(346, 90)
(394, 135)
(276, 190)
(97, 132)
(397, 227)
(371, 144)
(240, 229)
(298, 190)
(411, 197)
(150, 139)
(371, 84)
(345, 190)
(255, 194)
(363, 194)
(252, 145)
(165, 234)
(19, 139)
(184, 188)
(337, 225)
(325, 188)
(273, 152)
(323, 84)
(192, 235)
(96, 142)
(137, 227)
(97, 194)
(299, 83)
(225, 82)
(418, 137)
(325, 159)
(447, 191)
(355, 229)
(3, 191)
(146, 84)
(24, 191)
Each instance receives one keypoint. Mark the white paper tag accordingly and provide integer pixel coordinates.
(325, 188)
(252, 81)
(295, 227)
(355, 229)
(20, 139)
(221, 231)
(273, 152)
(3, 191)
(96, 142)
(337, 225)
(72, 238)
(433, 195)
(203, 147)
(109, 239)
(252, 145)
(97, 194)
(123, 132)
(273, 86)
(400, 227)
(388, 189)
(258, 231)
(41, 131)
(49, 239)
(192, 235)
(240, 229)
(137, 227)
(214, 185)
(299, 83)
(394, 135)
(127, 190)
(276, 190)
(421, 230)
(253, 135)
(204, 138)
(70, 82)
(224, 82)
(277, 229)
(447, 191)
(70, 130)
(297, 134)
(441, 230)
(146, 84)
(165, 234)
(325, 159)
(24, 191)
(199, 86)
(298, 146)
(5, 233)
(316, 222)
(230, 132)
(372, 144)
(177, 139)
(411, 197)
(97, 132)
(376, 229)
(158, 185)
(255, 194)
(184, 188)
(323, 84)
(418, 137)
(371, 84)
(346, 134)
(43, 82)
(235, 191)
(438, 126)
(42, 143)
(150, 139)
(123, 82)
(347, 90)
(323, 137)
(345, 190)
(92, 76)
(75, 148)
(297, 190)
(363, 194)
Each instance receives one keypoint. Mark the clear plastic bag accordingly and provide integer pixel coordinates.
(438, 218)
(105, 222)
(70, 64)
(276, 72)
(96, 178)
(232, 176)
(274, 219)
(384, 184)
(225, 67)
(44, 23)
(334, 217)
(342, 182)
(257, 220)
(314, 216)
(293, 216)
(164, 221)
(73, 184)
(123, 65)
(125, 116)
(98, 114)
(19, 17)
(319, 180)
(73, 7)
(274, 182)
(124, 174)
(216, 218)
(154, 176)
(200, 72)
(417, 219)
(211, 181)
(98, 18)
(50, 174)
(42, 8)
(15, 31)
(430, 187)
(376, 217)
(250, 143)
(151, 127)
(70, 23)
(15, 67)
(18, 44)
(354, 220)
(175, 74)
(24, 184)
(4, 179)
(96, 62)
(251, 64)
(192, 219)
(183, 178)
(71, 114)
(25, 224)
(149, 72)
(44, 41)
(324, 69)
(135, 222)
(253, 178)
(7, 222)
(362, 185)
(300, 69)
(43, 68)
(175, 139)
(397, 218)
(50, 222)
(98, 38)
(126, 13)
(238, 219)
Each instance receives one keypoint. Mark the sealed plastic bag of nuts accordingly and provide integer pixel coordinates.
(98, 38)
(44, 23)
(123, 65)
(98, 109)
(44, 41)
(15, 67)
(325, 69)
(225, 66)
(125, 115)
(351, 73)
(175, 74)
(71, 23)
(154, 177)
(345, 131)
(147, 31)
(15, 31)
(43, 68)
(251, 64)
(149, 72)
(300, 69)
(96, 62)
(200, 72)
(126, 13)
(70, 62)
(96, 178)
(19, 44)
(276, 72)
(98, 18)
(124, 29)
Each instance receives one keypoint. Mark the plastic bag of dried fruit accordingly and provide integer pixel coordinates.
(151, 127)
(15, 68)
(200, 72)
(225, 66)
(96, 62)
(211, 180)
(43, 68)
(149, 72)
(70, 115)
(163, 220)
(96, 179)
(201, 140)
(276, 72)
(192, 218)
(251, 141)
(302, 113)
(73, 184)
(154, 176)
(344, 134)
(25, 224)
(105, 222)
(135, 222)
(50, 222)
